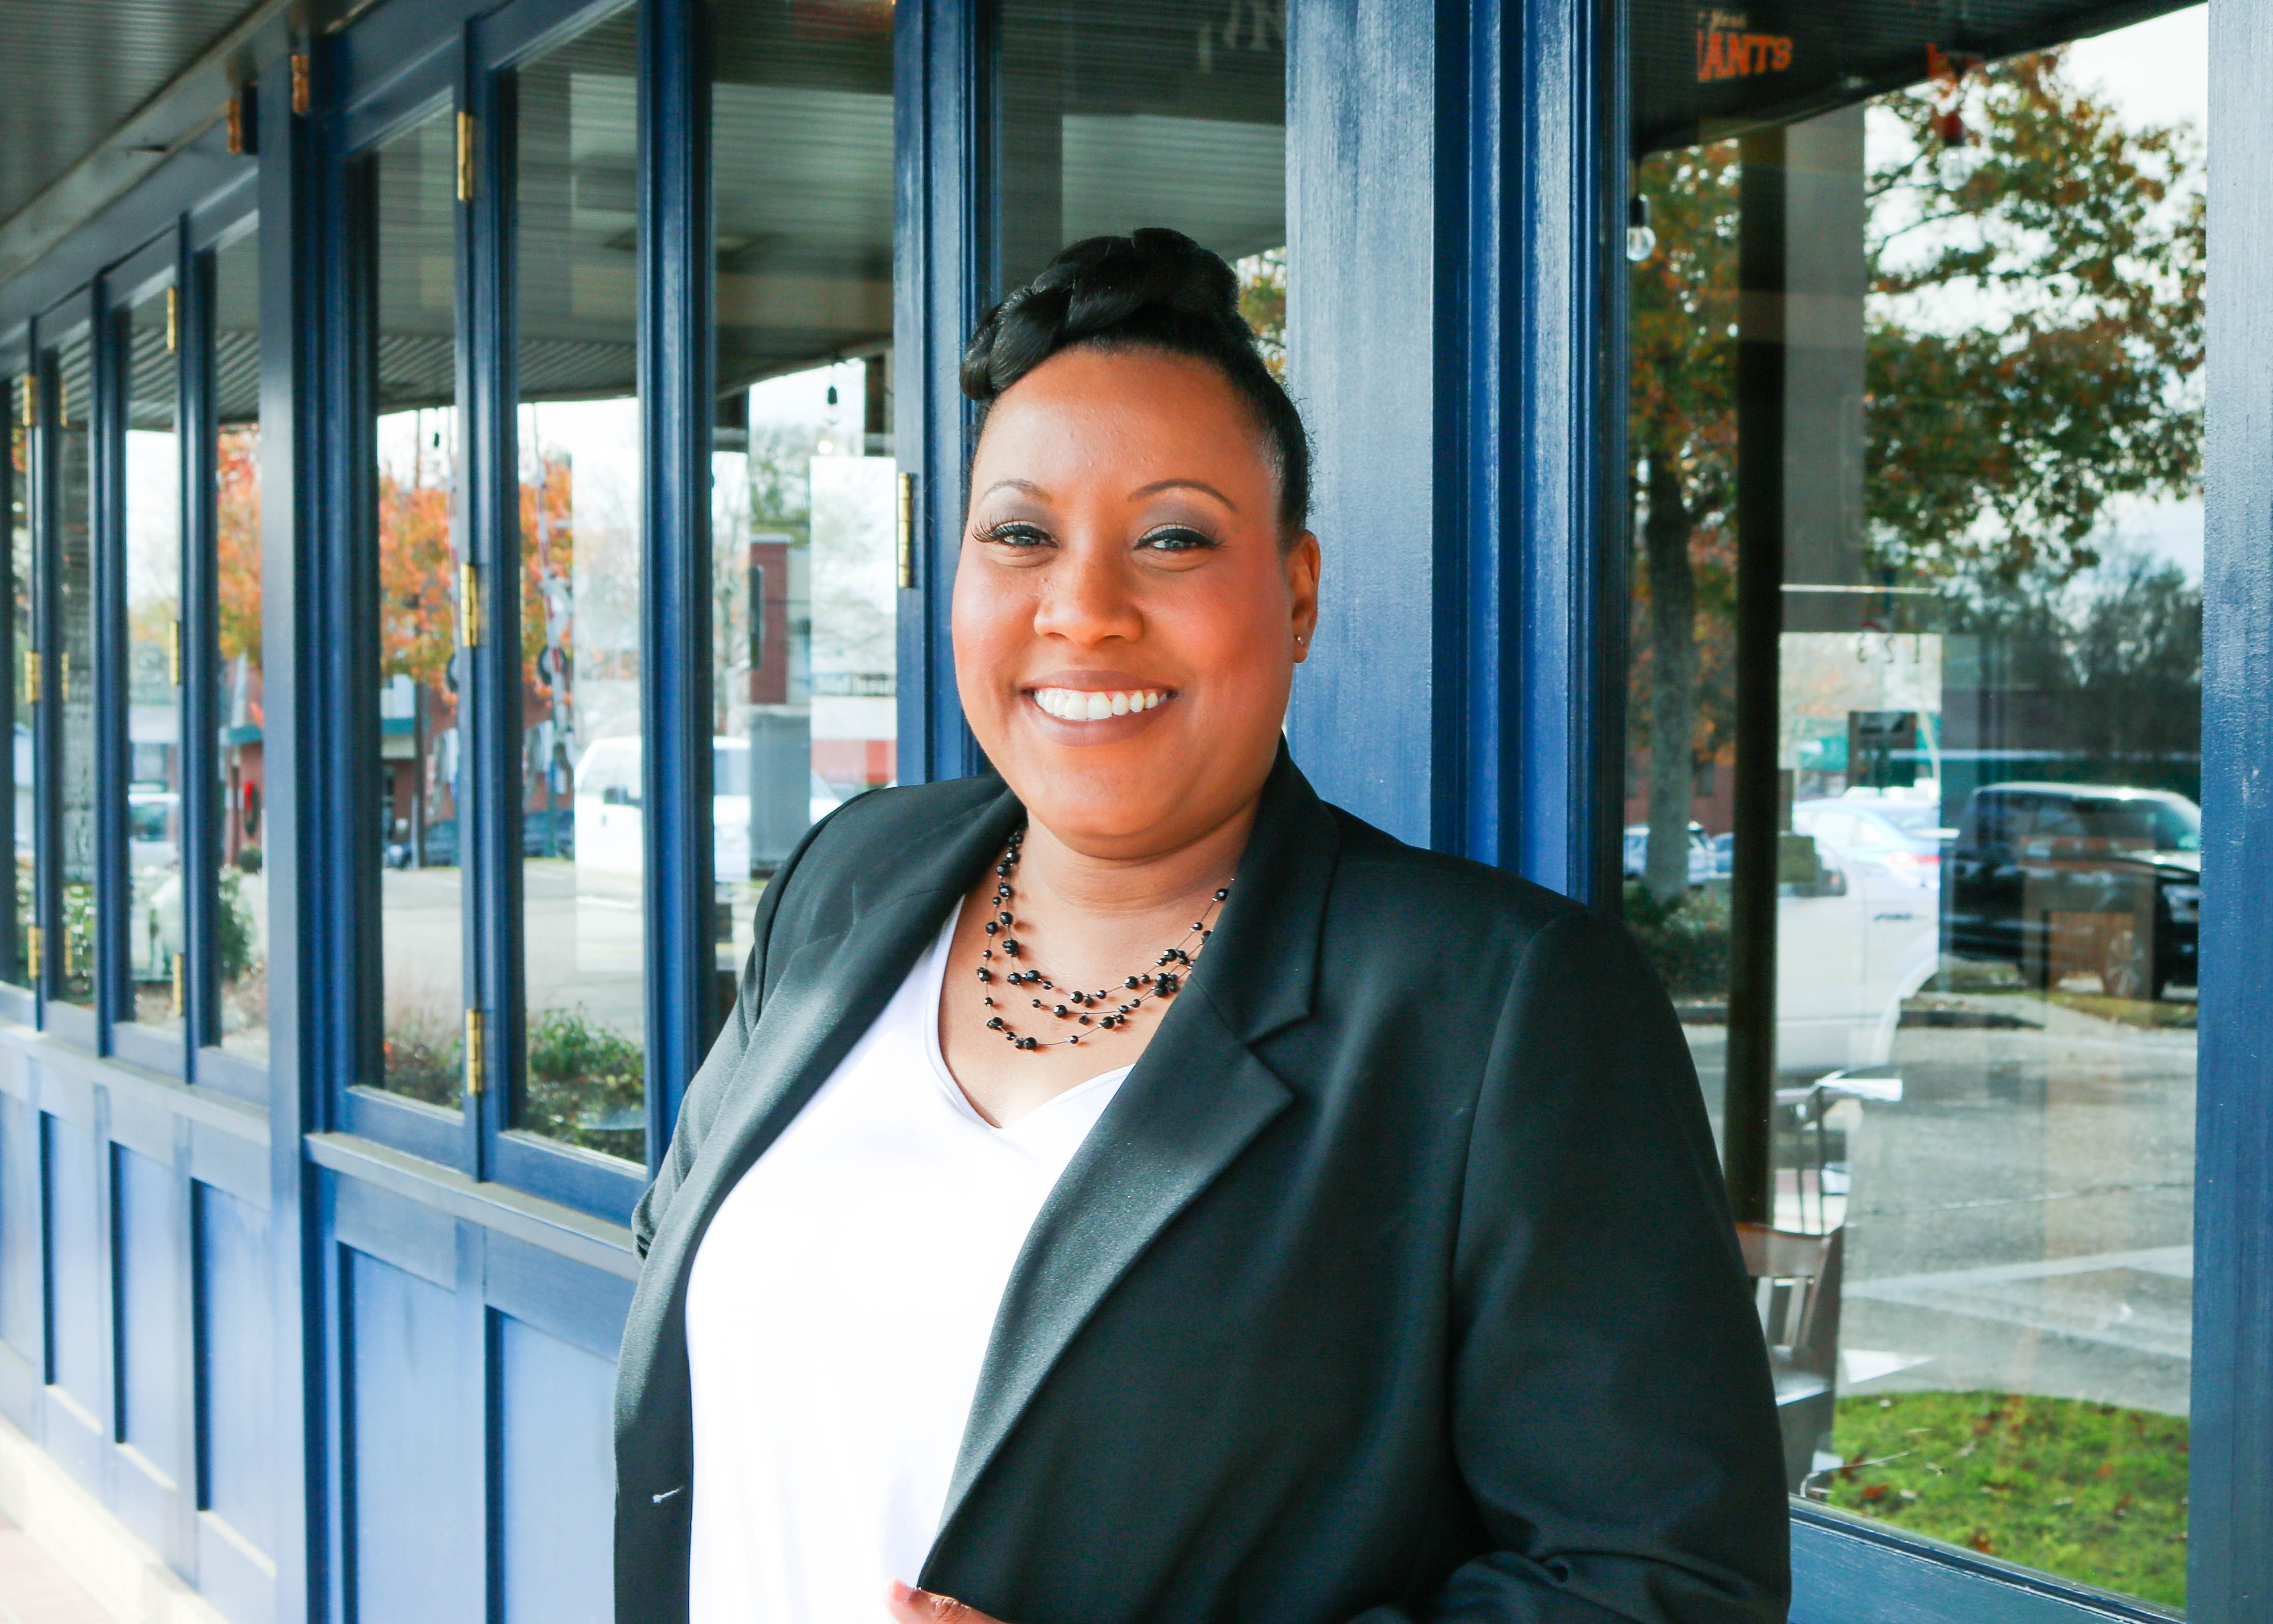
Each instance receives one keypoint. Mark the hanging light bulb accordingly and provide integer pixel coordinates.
(1641, 242)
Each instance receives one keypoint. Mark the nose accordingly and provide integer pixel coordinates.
(1088, 598)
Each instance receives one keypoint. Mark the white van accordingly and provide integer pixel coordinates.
(610, 824)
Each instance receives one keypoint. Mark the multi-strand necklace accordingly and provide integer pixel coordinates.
(1087, 1014)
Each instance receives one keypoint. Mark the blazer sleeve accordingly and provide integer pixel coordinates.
(699, 1101)
(1613, 1412)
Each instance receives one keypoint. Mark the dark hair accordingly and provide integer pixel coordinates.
(1154, 289)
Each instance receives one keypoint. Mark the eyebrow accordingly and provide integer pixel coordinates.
(1157, 485)
(1186, 484)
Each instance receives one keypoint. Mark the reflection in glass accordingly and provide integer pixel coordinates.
(583, 857)
(72, 968)
(805, 491)
(153, 468)
(412, 182)
(1978, 737)
(1173, 114)
(1168, 113)
(18, 801)
(241, 886)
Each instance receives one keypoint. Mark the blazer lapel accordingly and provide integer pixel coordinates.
(828, 995)
(1193, 1102)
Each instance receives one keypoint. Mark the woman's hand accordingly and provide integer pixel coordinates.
(910, 1605)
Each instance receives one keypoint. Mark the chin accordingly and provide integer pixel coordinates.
(1077, 797)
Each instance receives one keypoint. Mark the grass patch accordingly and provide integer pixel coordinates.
(2127, 1011)
(2090, 1492)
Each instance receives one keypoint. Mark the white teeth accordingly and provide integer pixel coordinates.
(1073, 705)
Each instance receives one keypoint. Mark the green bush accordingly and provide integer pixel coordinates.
(1687, 941)
(582, 1075)
(234, 930)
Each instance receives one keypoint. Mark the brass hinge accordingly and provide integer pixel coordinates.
(907, 530)
(174, 653)
(62, 678)
(30, 676)
(179, 1004)
(236, 115)
(173, 320)
(476, 1060)
(300, 82)
(34, 940)
(469, 606)
(465, 157)
(31, 413)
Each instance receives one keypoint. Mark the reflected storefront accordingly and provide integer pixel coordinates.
(1915, 755)
(481, 495)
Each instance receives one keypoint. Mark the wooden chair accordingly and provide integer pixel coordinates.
(1796, 1286)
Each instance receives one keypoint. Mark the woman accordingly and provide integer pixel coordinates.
(1130, 1190)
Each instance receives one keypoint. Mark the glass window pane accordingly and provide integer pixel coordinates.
(241, 887)
(17, 802)
(1923, 371)
(412, 181)
(1167, 113)
(805, 490)
(1172, 113)
(71, 970)
(152, 470)
(582, 893)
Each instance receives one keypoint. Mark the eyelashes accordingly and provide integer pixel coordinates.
(1022, 536)
(1015, 533)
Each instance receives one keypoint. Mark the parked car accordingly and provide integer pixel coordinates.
(1906, 836)
(1701, 867)
(2063, 878)
(437, 849)
(1854, 939)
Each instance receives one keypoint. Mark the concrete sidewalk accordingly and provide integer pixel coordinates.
(34, 1590)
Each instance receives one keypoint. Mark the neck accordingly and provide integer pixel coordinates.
(1106, 888)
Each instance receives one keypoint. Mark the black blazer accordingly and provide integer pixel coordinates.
(1396, 1284)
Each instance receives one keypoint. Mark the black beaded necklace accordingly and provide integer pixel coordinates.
(1105, 1009)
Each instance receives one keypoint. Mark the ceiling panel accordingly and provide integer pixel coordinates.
(71, 73)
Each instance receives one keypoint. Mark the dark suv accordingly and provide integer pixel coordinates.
(2065, 878)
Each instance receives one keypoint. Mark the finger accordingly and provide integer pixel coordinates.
(910, 1605)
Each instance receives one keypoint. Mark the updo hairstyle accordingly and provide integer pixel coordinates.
(1153, 290)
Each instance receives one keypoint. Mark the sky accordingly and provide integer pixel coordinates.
(2156, 72)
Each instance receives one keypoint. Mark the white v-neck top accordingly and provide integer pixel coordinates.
(836, 1315)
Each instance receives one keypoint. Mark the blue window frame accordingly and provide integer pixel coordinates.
(466, 59)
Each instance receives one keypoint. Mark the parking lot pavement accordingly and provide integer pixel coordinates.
(2023, 1219)
(34, 1590)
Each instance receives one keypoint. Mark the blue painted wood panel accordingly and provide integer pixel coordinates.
(145, 1272)
(1370, 723)
(1847, 1574)
(75, 1265)
(236, 1358)
(555, 1467)
(417, 1533)
(2230, 1546)
(19, 1229)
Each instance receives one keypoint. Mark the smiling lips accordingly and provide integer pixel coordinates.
(1074, 704)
